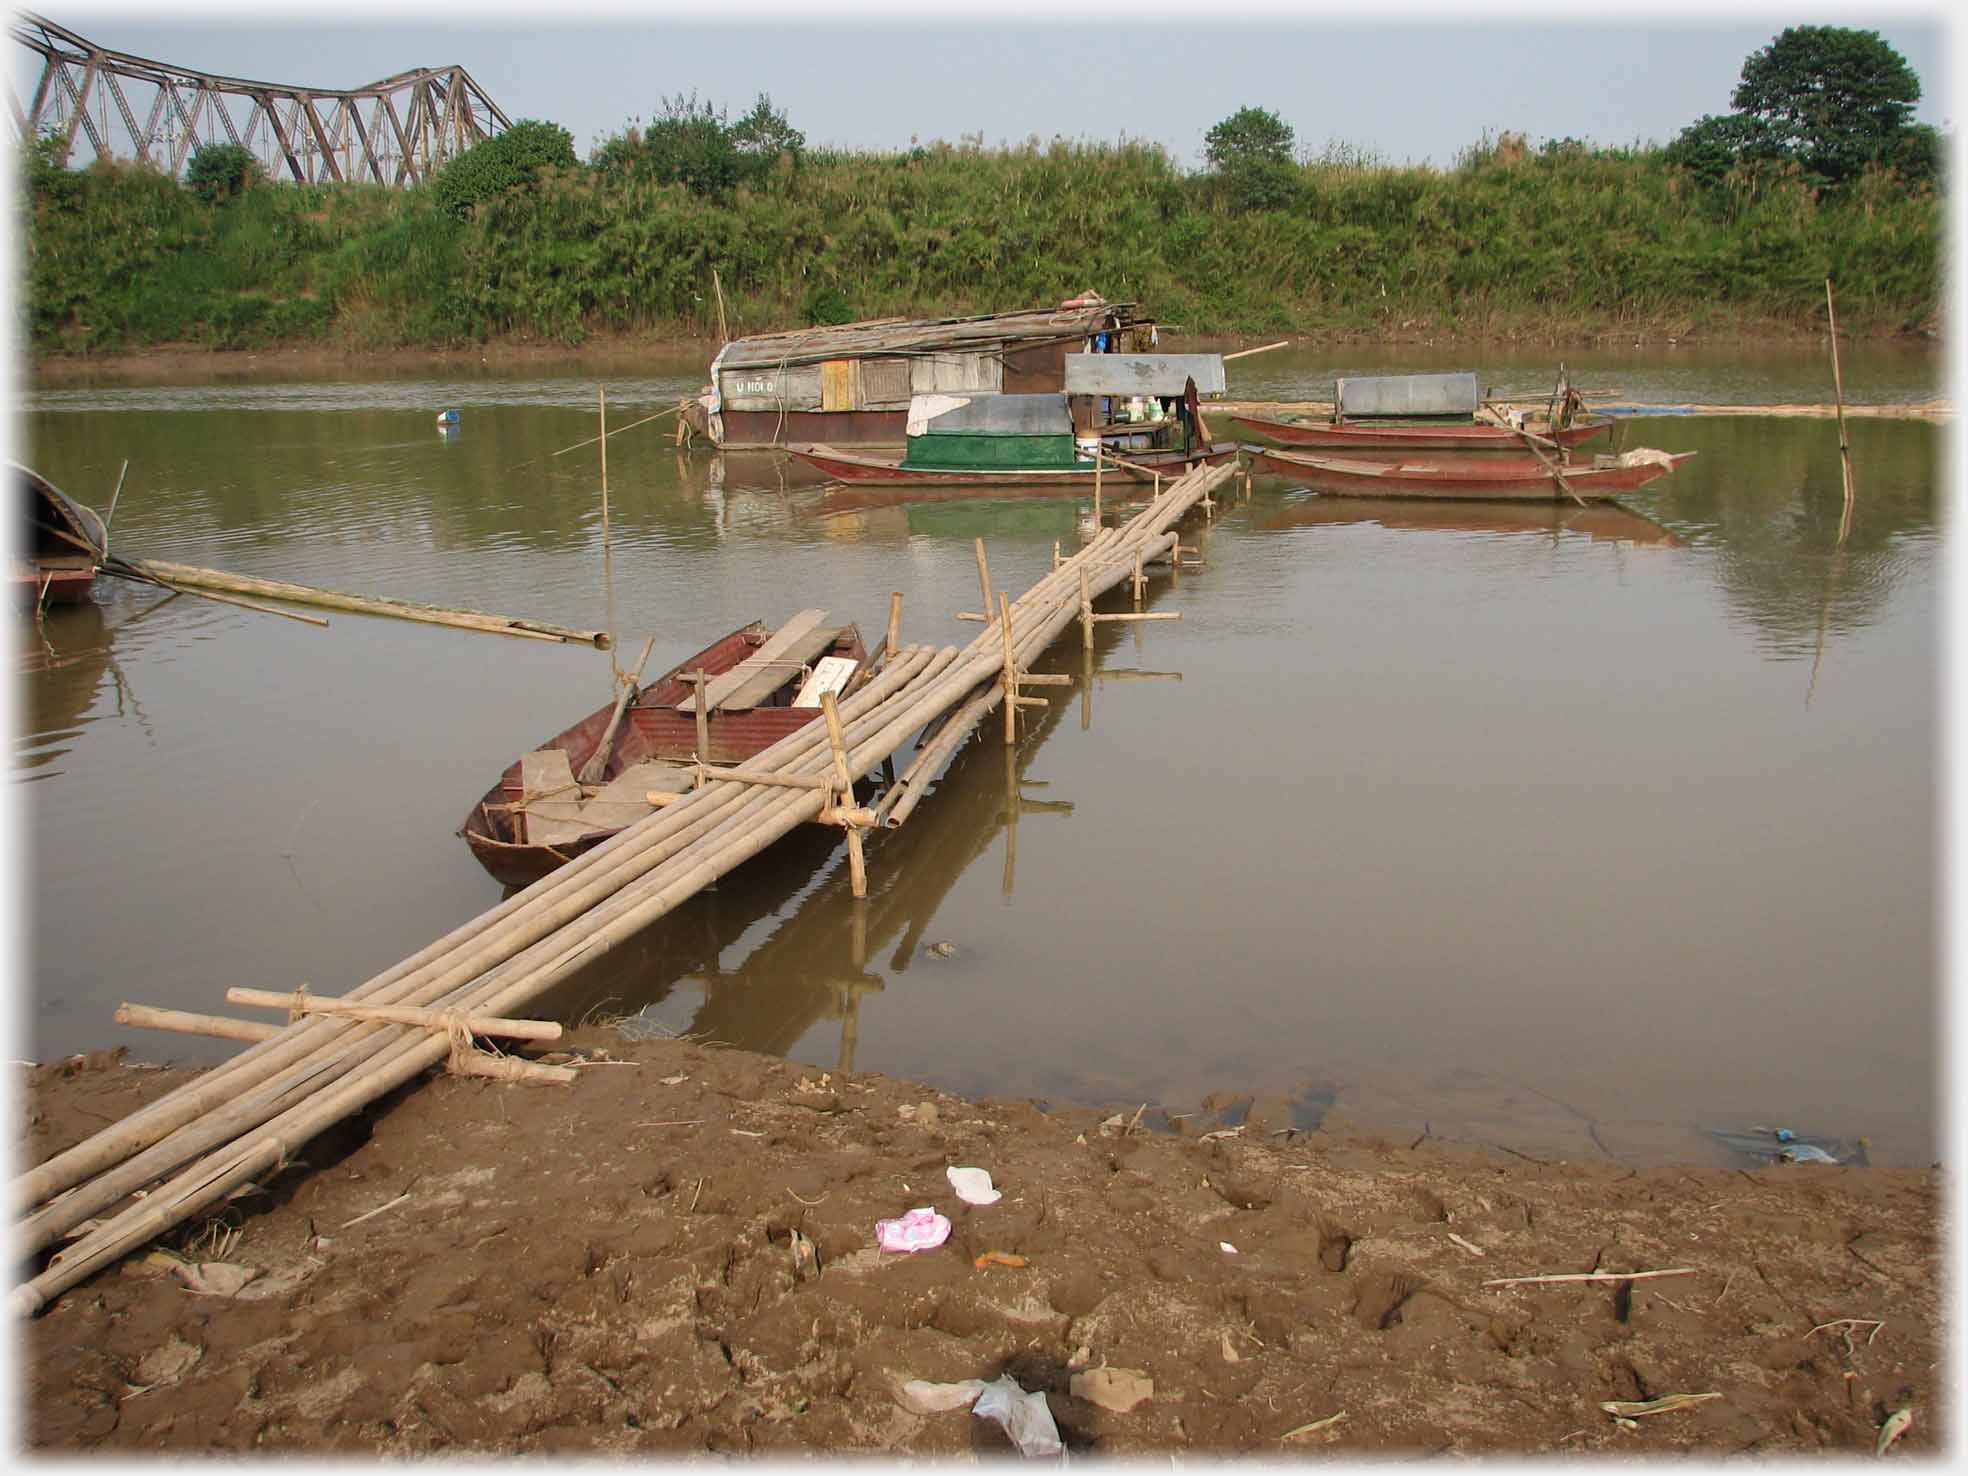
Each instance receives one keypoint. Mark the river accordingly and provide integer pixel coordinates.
(1567, 834)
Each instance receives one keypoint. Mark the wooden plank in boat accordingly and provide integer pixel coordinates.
(621, 801)
(803, 652)
(550, 800)
(760, 662)
(830, 675)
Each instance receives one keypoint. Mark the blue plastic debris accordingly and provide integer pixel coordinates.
(1781, 1145)
(447, 417)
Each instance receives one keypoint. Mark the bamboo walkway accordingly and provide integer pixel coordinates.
(242, 1120)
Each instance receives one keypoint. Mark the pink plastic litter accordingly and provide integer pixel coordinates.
(919, 1230)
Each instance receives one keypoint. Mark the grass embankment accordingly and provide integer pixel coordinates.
(1555, 243)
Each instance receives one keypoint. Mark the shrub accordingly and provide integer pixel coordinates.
(502, 162)
(220, 171)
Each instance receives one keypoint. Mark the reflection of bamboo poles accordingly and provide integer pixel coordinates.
(1844, 441)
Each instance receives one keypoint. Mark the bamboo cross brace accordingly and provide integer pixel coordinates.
(186, 1023)
(302, 1003)
(708, 772)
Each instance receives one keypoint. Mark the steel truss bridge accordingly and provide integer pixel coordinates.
(398, 131)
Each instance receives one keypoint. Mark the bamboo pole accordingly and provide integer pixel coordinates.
(303, 1003)
(123, 569)
(1010, 672)
(894, 625)
(183, 1022)
(193, 578)
(1844, 440)
(626, 689)
(703, 716)
(1245, 353)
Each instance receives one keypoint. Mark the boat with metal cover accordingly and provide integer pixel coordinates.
(1514, 479)
(1398, 413)
(1123, 417)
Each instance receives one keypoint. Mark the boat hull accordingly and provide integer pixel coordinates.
(859, 469)
(1356, 437)
(1485, 479)
(652, 730)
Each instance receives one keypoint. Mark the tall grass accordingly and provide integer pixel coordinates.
(1566, 240)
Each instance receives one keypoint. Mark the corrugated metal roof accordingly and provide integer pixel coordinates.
(1143, 374)
(921, 335)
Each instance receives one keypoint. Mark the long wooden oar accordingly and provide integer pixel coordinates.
(1536, 443)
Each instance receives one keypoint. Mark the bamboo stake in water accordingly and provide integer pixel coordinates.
(984, 579)
(607, 566)
(1844, 442)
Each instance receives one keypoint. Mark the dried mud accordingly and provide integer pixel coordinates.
(474, 1268)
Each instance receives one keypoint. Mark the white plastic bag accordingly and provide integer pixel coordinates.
(973, 1185)
(1026, 1418)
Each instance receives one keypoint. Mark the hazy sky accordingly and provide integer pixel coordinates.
(1405, 82)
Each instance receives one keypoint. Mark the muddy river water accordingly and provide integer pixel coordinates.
(1569, 833)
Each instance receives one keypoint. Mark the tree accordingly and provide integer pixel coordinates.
(502, 162)
(691, 145)
(1251, 152)
(1835, 100)
(763, 137)
(219, 171)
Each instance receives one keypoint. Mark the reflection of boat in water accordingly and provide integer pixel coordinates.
(1604, 521)
(556, 802)
(1511, 478)
(62, 542)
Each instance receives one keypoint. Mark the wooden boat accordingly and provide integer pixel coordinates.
(1139, 413)
(62, 542)
(871, 469)
(1353, 437)
(550, 806)
(1514, 478)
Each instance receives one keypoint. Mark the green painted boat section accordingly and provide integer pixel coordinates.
(978, 451)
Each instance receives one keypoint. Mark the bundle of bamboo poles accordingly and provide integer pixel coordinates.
(200, 1143)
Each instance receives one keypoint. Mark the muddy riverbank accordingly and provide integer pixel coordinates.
(631, 353)
(612, 1267)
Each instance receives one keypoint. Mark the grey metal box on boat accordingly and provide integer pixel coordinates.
(1406, 394)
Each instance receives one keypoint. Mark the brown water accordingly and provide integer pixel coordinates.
(1573, 834)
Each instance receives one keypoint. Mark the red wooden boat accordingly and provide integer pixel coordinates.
(1515, 478)
(62, 542)
(1365, 436)
(762, 685)
(872, 469)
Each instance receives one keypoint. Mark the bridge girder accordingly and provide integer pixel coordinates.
(417, 121)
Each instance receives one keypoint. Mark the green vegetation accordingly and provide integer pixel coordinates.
(517, 240)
